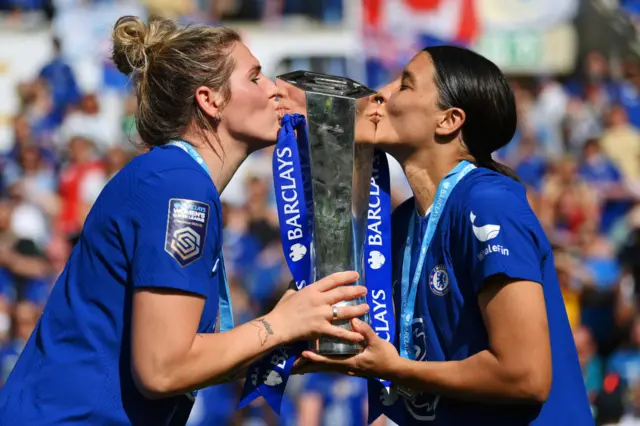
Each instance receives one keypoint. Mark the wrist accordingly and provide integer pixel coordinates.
(278, 327)
(397, 369)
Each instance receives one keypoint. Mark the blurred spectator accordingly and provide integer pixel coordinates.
(596, 84)
(598, 260)
(530, 165)
(609, 404)
(174, 9)
(548, 115)
(606, 181)
(572, 280)
(88, 123)
(598, 256)
(20, 259)
(5, 316)
(61, 79)
(333, 400)
(632, 417)
(24, 319)
(629, 258)
(590, 361)
(19, 7)
(35, 179)
(216, 405)
(621, 142)
(630, 93)
(76, 199)
(39, 111)
(262, 215)
(625, 361)
(581, 123)
(567, 202)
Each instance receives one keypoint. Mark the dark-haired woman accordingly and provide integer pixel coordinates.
(476, 292)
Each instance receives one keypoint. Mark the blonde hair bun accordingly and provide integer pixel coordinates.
(134, 42)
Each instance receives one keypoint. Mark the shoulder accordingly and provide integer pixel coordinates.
(491, 206)
(170, 168)
(159, 182)
(493, 195)
(163, 159)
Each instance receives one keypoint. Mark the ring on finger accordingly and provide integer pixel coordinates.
(334, 309)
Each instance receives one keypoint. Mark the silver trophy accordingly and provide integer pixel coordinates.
(340, 175)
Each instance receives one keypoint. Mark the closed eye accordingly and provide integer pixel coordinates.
(255, 73)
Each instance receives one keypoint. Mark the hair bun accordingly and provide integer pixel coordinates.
(129, 36)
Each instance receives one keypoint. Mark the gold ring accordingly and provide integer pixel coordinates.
(335, 312)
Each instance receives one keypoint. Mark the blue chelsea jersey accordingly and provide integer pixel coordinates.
(486, 228)
(157, 224)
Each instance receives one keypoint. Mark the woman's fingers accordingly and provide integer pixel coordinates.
(342, 333)
(346, 292)
(349, 312)
(336, 280)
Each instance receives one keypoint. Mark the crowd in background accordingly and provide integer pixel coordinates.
(577, 149)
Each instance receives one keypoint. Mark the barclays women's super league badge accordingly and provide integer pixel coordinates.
(186, 230)
(439, 280)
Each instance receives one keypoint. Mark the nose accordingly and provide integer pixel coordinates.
(274, 90)
(379, 98)
(280, 92)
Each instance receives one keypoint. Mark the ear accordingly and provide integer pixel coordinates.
(450, 122)
(209, 101)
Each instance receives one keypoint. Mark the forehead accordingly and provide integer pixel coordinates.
(421, 70)
(243, 57)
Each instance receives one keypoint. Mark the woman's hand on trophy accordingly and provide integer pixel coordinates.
(308, 313)
(379, 359)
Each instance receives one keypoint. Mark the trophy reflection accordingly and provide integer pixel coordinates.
(340, 178)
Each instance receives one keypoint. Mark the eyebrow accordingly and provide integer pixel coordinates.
(255, 70)
(407, 75)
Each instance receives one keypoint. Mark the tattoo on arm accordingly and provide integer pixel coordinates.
(264, 329)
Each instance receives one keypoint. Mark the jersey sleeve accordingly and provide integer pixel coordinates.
(176, 227)
(499, 236)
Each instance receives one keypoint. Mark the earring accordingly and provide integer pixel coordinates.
(218, 116)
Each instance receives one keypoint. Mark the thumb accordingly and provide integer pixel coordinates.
(365, 329)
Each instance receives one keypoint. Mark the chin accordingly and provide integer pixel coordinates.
(388, 145)
(268, 140)
(365, 133)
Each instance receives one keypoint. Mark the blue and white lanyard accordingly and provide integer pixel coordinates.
(226, 309)
(409, 289)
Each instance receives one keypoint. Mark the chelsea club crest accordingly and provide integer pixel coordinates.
(439, 280)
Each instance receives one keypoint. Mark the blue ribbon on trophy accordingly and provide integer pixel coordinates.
(268, 377)
(379, 273)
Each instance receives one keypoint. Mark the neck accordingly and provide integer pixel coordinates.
(223, 158)
(424, 170)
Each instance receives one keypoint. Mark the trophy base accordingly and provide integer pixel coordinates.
(329, 346)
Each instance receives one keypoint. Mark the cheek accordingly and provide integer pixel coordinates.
(400, 114)
(411, 117)
(247, 103)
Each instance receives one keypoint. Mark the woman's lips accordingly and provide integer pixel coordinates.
(281, 110)
(375, 117)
